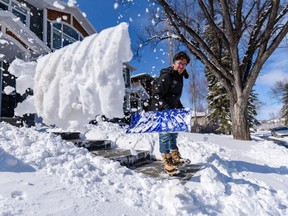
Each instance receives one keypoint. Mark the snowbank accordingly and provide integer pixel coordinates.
(40, 174)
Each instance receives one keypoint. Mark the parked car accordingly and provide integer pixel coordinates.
(279, 131)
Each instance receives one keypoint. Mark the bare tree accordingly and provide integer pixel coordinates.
(249, 30)
(198, 90)
(280, 92)
(279, 89)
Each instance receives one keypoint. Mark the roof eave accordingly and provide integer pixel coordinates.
(26, 35)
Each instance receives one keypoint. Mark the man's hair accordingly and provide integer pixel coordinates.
(181, 55)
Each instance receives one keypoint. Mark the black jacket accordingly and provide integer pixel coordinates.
(168, 90)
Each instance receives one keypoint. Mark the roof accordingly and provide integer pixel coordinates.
(141, 75)
(37, 46)
(139, 90)
(199, 114)
(132, 68)
(60, 6)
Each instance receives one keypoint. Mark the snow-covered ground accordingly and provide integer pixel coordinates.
(40, 174)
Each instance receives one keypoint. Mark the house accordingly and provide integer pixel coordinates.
(135, 93)
(31, 28)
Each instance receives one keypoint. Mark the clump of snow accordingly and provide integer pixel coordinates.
(26, 107)
(116, 5)
(16, 19)
(8, 90)
(3, 41)
(25, 72)
(78, 82)
(71, 3)
(56, 4)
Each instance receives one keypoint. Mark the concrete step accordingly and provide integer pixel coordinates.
(11, 120)
(125, 157)
(68, 135)
(155, 169)
(93, 145)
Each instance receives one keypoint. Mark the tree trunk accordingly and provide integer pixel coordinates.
(239, 117)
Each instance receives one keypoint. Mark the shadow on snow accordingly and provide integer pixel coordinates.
(9, 163)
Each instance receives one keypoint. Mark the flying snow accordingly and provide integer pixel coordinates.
(8, 90)
(71, 3)
(74, 84)
(116, 5)
(59, 6)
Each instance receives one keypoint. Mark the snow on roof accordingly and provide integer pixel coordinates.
(141, 74)
(199, 114)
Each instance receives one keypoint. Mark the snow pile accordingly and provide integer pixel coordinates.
(25, 72)
(40, 174)
(78, 82)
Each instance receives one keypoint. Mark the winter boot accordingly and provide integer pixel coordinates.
(177, 159)
(168, 166)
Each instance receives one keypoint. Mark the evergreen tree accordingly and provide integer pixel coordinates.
(218, 99)
(252, 109)
(218, 104)
(284, 109)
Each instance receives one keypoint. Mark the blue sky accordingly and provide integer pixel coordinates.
(102, 15)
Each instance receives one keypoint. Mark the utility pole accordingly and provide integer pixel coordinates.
(193, 92)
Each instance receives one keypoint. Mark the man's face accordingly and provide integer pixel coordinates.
(179, 65)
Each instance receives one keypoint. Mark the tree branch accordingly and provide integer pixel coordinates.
(228, 23)
(212, 23)
(238, 16)
(223, 73)
(253, 43)
(261, 58)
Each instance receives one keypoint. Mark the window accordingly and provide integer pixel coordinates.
(49, 36)
(4, 4)
(56, 38)
(62, 35)
(17, 9)
(19, 12)
(127, 77)
(70, 32)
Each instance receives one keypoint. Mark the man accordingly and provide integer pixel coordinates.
(167, 94)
